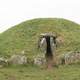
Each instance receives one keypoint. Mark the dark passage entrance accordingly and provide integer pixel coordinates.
(49, 55)
(48, 49)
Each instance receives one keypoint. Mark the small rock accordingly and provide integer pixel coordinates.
(39, 61)
(3, 62)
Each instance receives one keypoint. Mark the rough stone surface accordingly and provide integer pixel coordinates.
(71, 57)
(39, 60)
(18, 59)
(3, 62)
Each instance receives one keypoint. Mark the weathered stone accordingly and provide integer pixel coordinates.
(3, 62)
(18, 59)
(47, 44)
(39, 60)
(69, 58)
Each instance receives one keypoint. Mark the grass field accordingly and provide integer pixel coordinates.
(24, 37)
(70, 72)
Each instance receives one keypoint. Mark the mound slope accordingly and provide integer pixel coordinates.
(24, 36)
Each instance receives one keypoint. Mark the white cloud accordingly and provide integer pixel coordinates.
(13, 12)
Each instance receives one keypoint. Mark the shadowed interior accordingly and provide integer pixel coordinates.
(48, 49)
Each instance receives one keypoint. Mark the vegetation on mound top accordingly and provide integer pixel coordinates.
(24, 37)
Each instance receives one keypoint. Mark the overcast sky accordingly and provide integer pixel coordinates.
(13, 12)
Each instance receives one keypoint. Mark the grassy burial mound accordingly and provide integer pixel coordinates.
(24, 36)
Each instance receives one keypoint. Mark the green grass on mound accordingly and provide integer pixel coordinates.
(25, 36)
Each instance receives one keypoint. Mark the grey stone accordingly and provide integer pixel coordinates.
(39, 60)
(3, 62)
(71, 57)
(18, 59)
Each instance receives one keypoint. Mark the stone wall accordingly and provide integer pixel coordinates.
(21, 59)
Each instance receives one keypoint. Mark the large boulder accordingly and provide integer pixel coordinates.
(69, 58)
(18, 59)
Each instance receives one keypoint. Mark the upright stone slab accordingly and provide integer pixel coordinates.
(47, 43)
